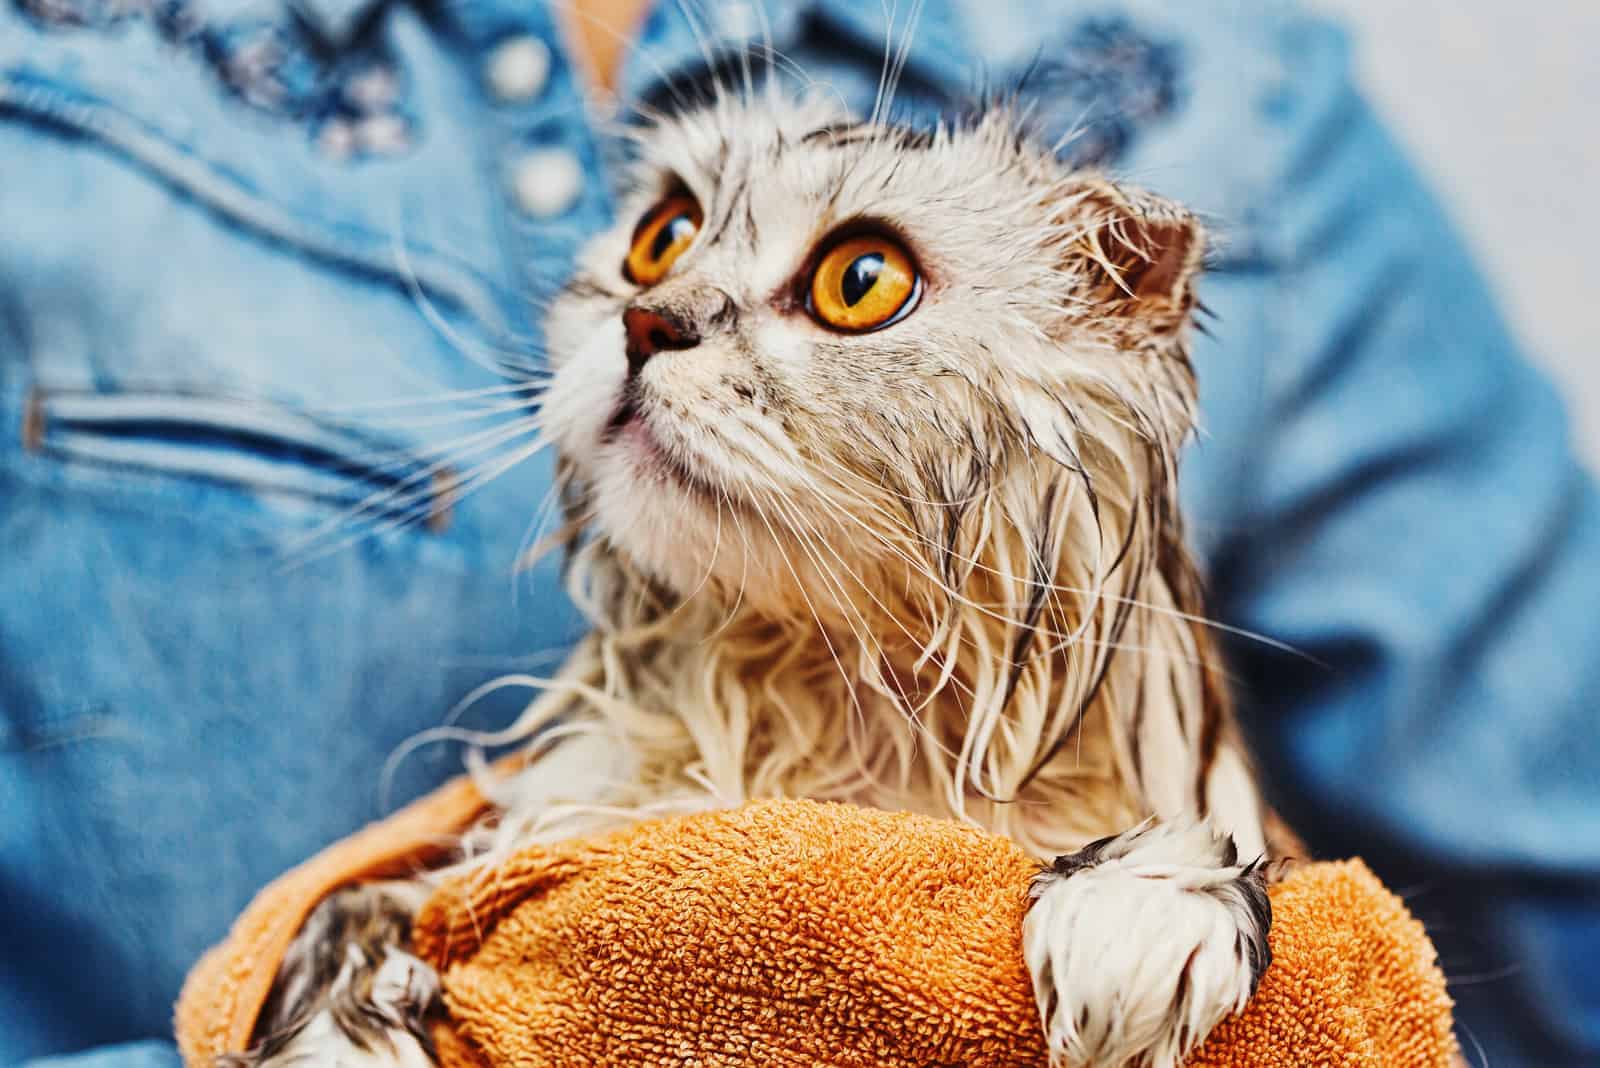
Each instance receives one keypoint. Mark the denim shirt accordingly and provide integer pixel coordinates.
(242, 244)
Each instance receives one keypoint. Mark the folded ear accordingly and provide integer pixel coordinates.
(1136, 255)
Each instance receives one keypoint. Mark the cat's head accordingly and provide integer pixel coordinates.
(815, 358)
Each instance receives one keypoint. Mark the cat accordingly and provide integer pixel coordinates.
(867, 443)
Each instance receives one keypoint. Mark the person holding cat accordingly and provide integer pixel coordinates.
(278, 323)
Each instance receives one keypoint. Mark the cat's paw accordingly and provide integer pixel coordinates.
(1141, 943)
(371, 1018)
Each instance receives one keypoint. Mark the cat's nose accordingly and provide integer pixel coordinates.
(653, 330)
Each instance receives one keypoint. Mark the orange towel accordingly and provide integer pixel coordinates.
(799, 933)
(226, 989)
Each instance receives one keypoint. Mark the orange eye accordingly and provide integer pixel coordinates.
(864, 283)
(663, 234)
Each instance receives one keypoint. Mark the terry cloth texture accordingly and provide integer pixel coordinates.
(800, 933)
(226, 989)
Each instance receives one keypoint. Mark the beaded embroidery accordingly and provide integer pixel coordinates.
(1110, 81)
(350, 102)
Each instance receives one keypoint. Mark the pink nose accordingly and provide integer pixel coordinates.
(651, 331)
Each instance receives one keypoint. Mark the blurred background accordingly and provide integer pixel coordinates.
(143, 728)
(1499, 104)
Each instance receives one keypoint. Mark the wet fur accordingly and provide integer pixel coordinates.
(938, 567)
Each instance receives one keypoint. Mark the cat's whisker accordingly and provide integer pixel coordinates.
(775, 58)
(923, 567)
(991, 611)
(875, 115)
(566, 536)
(534, 536)
(490, 470)
(470, 414)
(744, 69)
(711, 562)
(724, 499)
(414, 463)
(422, 507)
(495, 361)
(855, 703)
(416, 496)
(863, 635)
(1051, 586)
(908, 35)
(709, 52)
(450, 397)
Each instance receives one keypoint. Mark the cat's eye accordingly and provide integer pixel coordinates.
(862, 283)
(663, 234)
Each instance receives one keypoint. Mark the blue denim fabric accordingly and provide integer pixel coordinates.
(230, 233)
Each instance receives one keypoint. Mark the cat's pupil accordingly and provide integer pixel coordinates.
(860, 277)
(681, 227)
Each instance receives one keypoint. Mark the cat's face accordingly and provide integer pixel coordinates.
(813, 342)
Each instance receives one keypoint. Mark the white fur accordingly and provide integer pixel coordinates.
(401, 983)
(799, 632)
(1137, 957)
(826, 534)
(323, 1045)
(934, 567)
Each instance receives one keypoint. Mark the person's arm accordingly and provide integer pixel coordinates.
(1409, 515)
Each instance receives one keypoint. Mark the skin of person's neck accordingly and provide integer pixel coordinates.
(599, 32)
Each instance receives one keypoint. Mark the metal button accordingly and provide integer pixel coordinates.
(546, 182)
(518, 68)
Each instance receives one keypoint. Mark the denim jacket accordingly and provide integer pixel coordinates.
(240, 241)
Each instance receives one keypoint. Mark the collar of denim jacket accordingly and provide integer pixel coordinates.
(678, 35)
(335, 22)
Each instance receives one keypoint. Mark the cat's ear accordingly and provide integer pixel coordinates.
(1134, 257)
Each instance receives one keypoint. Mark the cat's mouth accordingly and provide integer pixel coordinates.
(628, 411)
(630, 429)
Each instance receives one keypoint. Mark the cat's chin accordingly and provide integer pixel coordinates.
(668, 521)
(654, 462)
(696, 542)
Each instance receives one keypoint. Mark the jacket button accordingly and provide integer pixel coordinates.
(546, 182)
(517, 69)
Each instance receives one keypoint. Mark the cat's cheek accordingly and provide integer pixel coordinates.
(584, 392)
(573, 413)
(660, 528)
(784, 349)
(579, 327)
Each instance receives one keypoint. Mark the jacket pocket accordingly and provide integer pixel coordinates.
(269, 451)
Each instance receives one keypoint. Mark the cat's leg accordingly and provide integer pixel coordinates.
(1139, 944)
(349, 992)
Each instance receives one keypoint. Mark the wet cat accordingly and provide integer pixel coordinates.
(868, 441)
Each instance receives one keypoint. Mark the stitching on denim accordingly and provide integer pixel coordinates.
(33, 421)
(335, 454)
(351, 101)
(214, 183)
